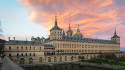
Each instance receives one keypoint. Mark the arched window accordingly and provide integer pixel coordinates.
(30, 48)
(26, 54)
(30, 54)
(34, 48)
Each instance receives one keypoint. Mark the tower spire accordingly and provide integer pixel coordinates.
(63, 33)
(78, 28)
(26, 38)
(69, 26)
(115, 32)
(56, 26)
(56, 19)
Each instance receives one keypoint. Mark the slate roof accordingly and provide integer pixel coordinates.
(23, 42)
(47, 45)
(87, 39)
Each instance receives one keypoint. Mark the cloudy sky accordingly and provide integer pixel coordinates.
(97, 18)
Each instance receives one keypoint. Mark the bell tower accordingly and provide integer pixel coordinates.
(55, 32)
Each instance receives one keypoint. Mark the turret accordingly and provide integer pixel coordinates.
(116, 38)
(32, 38)
(42, 40)
(56, 32)
(78, 33)
(69, 32)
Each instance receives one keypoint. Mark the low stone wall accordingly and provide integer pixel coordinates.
(56, 58)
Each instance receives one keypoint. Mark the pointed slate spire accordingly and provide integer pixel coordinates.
(26, 38)
(56, 21)
(115, 34)
(56, 26)
(69, 26)
(63, 33)
(78, 28)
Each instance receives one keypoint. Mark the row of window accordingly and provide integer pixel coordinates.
(74, 47)
(24, 54)
(22, 48)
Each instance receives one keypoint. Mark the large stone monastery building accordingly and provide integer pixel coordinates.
(60, 45)
(70, 43)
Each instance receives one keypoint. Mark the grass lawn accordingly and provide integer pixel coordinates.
(104, 61)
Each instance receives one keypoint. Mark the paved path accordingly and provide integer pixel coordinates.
(10, 65)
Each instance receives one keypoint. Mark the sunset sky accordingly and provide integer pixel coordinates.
(96, 18)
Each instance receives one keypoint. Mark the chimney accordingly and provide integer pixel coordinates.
(14, 38)
(8, 38)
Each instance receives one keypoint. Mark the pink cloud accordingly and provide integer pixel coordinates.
(94, 16)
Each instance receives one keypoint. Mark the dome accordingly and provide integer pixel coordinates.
(78, 33)
(38, 38)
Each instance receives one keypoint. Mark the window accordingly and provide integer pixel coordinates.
(26, 54)
(9, 48)
(9, 54)
(21, 54)
(26, 48)
(17, 54)
(21, 48)
(30, 48)
(34, 54)
(17, 48)
(30, 54)
(40, 48)
(34, 48)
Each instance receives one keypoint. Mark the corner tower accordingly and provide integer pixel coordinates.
(116, 38)
(55, 32)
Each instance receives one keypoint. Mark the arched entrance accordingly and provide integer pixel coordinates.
(22, 61)
(65, 58)
(30, 60)
(72, 58)
(60, 58)
(55, 59)
(49, 59)
(40, 59)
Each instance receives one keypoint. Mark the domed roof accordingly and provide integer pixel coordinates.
(69, 30)
(78, 33)
(38, 38)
